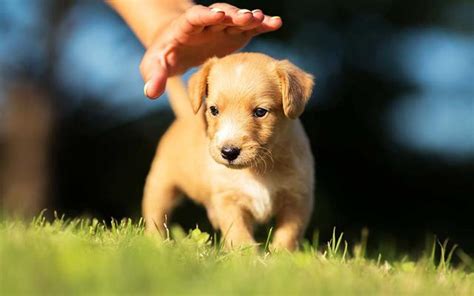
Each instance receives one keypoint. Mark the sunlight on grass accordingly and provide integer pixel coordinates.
(86, 256)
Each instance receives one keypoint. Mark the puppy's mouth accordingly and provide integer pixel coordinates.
(234, 164)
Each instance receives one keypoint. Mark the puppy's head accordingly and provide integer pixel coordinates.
(249, 98)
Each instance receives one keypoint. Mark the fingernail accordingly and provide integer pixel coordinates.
(145, 88)
(243, 11)
(276, 17)
(216, 10)
(256, 10)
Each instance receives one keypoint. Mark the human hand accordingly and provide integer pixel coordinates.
(196, 35)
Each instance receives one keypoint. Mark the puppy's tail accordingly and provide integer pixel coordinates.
(178, 97)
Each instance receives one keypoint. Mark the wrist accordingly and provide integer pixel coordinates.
(174, 9)
(159, 29)
(149, 17)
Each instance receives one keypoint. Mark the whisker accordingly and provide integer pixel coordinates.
(268, 155)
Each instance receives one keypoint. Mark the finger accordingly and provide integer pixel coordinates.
(258, 18)
(198, 17)
(155, 87)
(269, 24)
(228, 9)
(234, 17)
(237, 18)
(155, 74)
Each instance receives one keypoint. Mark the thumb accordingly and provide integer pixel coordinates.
(155, 74)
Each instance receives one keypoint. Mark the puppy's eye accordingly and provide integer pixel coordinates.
(213, 110)
(260, 112)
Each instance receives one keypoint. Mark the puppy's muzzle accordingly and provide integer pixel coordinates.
(230, 153)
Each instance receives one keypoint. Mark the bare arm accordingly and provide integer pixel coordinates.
(178, 34)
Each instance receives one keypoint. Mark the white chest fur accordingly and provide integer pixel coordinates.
(257, 189)
(260, 196)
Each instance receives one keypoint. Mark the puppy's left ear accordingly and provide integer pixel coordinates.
(198, 85)
(296, 87)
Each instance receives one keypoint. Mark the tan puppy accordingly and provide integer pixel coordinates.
(243, 155)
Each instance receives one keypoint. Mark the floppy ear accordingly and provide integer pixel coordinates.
(296, 87)
(198, 85)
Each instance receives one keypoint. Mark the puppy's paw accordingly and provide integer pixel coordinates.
(284, 245)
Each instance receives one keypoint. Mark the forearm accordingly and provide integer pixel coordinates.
(147, 17)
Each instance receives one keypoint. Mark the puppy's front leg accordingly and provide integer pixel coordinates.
(235, 221)
(291, 222)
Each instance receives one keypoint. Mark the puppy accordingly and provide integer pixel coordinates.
(238, 148)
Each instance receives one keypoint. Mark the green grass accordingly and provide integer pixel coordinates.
(86, 257)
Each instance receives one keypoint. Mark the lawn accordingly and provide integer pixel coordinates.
(84, 256)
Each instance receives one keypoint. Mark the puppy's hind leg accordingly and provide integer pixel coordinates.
(159, 199)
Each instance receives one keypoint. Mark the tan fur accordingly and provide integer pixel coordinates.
(272, 176)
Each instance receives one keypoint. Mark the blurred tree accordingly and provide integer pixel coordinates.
(27, 129)
(29, 107)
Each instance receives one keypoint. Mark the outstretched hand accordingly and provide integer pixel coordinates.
(198, 34)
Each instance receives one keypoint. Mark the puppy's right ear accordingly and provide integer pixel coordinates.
(198, 85)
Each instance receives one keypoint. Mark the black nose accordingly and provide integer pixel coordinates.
(230, 153)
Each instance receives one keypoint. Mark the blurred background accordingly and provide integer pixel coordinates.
(391, 120)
